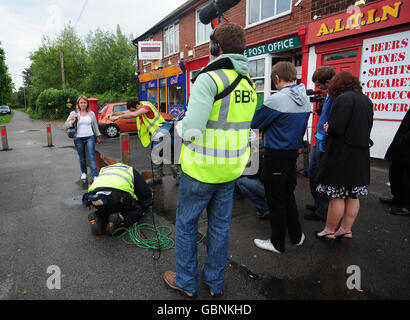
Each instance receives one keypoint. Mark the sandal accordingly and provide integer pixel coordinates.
(324, 236)
(343, 236)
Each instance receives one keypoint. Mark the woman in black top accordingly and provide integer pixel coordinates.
(345, 171)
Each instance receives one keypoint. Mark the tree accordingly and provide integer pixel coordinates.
(6, 83)
(112, 62)
(45, 68)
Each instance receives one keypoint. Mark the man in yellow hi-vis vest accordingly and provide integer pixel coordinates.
(120, 195)
(151, 127)
(214, 154)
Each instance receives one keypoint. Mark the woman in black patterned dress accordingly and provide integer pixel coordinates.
(345, 170)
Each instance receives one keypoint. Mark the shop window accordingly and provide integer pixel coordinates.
(203, 31)
(257, 73)
(340, 55)
(153, 96)
(171, 39)
(261, 10)
(175, 95)
(163, 98)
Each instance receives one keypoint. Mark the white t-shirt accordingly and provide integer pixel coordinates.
(84, 128)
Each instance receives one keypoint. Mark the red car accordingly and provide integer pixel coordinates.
(111, 128)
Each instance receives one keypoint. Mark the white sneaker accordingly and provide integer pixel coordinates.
(83, 176)
(266, 245)
(302, 239)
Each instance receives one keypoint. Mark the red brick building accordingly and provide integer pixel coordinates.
(274, 31)
(372, 43)
(309, 33)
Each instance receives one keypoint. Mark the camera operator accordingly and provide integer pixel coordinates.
(321, 78)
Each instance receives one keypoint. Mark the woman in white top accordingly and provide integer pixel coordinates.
(86, 136)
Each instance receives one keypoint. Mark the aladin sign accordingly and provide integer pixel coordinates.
(357, 20)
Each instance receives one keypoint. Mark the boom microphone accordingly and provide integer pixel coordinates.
(215, 9)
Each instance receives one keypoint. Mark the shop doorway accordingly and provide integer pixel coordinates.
(347, 60)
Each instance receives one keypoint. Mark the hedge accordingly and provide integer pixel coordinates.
(56, 104)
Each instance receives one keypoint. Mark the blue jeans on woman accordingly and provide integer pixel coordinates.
(83, 145)
(193, 197)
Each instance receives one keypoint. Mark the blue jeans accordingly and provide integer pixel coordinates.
(321, 200)
(86, 144)
(255, 191)
(193, 197)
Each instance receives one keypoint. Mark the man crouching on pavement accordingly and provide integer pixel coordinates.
(120, 195)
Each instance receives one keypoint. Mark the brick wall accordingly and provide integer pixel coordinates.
(287, 24)
(323, 8)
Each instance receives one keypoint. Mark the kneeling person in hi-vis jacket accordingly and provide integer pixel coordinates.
(152, 127)
(120, 195)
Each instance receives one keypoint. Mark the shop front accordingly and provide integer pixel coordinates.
(165, 88)
(372, 43)
(265, 54)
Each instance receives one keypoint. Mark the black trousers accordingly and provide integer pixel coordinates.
(279, 176)
(399, 176)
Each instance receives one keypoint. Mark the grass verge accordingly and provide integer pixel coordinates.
(5, 119)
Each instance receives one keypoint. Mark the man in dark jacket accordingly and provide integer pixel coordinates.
(321, 77)
(283, 119)
(399, 173)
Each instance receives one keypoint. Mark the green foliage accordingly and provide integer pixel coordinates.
(6, 83)
(103, 66)
(33, 114)
(5, 119)
(112, 62)
(45, 69)
(56, 104)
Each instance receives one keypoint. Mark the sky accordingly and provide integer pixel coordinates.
(24, 23)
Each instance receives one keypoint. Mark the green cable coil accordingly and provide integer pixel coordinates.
(161, 240)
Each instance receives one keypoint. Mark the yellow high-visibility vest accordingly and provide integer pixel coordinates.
(223, 151)
(147, 127)
(118, 176)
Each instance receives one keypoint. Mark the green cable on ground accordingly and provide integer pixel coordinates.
(161, 240)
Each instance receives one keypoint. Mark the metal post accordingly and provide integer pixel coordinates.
(49, 137)
(62, 68)
(4, 141)
(125, 148)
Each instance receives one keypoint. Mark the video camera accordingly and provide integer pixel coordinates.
(317, 97)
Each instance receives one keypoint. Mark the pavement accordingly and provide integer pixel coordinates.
(43, 224)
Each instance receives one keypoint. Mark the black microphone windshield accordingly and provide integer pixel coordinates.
(215, 8)
(208, 13)
(224, 5)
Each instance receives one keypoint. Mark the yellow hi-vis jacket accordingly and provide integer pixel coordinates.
(117, 176)
(147, 127)
(223, 151)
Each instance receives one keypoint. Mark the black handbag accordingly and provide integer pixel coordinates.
(72, 130)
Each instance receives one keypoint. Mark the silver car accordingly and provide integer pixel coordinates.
(5, 110)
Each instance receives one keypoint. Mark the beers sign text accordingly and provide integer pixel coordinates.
(385, 74)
